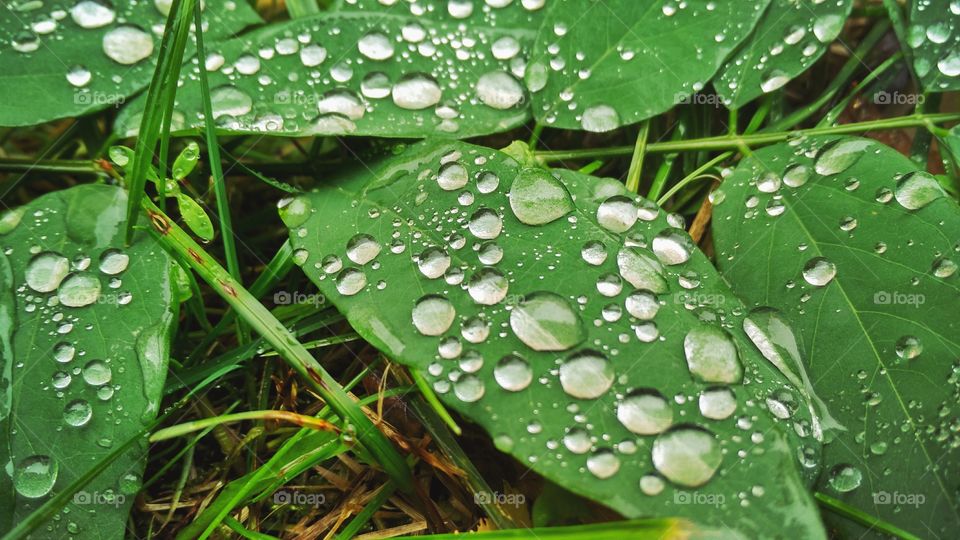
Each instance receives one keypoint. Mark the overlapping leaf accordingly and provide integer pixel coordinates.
(62, 60)
(601, 350)
(859, 250)
(86, 328)
(934, 36)
(789, 38)
(600, 65)
(383, 72)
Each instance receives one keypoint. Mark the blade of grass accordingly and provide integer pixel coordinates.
(639, 152)
(292, 351)
(872, 522)
(284, 416)
(638, 529)
(213, 151)
(158, 101)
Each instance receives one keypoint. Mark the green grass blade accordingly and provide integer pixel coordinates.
(164, 82)
(264, 323)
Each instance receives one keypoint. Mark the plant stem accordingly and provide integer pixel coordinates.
(696, 174)
(285, 416)
(843, 509)
(726, 142)
(55, 166)
(636, 164)
(274, 332)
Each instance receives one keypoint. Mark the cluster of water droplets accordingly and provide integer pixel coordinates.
(936, 37)
(472, 229)
(56, 292)
(326, 75)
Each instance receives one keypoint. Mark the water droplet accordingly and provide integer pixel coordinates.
(819, 271)
(712, 355)
(488, 286)
(92, 14)
(127, 44)
(362, 248)
(845, 478)
(485, 224)
(513, 373)
(79, 289)
(499, 90)
(77, 413)
(487, 182)
(840, 155)
(375, 46)
(909, 347)
(469, 388)
(452, 176)
(313, 55)
(35, 476)
(717, 403)
(645, 412)
(617, 214)
(545, 321)
(603, 463)
(537, 197)
(651, 484)
(641, 270)
(600, 118)
(350, 281)
(773, 80)
(79, 76)
(918, 189)
(432, 315)
(97, 373)
(586, 374)
(577, 441)
(45, 271)
(672, 246)
(687, 456)
(642, 305)
(433, 262)
(113, 261)
(416, 91)
(594, 253)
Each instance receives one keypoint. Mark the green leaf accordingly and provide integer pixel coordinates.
(601, 65)
(373, 72)
(426, 256)
(195, 217)
(186, 161)
(94, 57)
(858, 250)
(86, 327)
(933, 36)
(790, 37)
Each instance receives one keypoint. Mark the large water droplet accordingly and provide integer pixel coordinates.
(688, 456)
(840, 155)
(416, 91)
(77, 413)
(452, 176)
(362, 248)
(79, 289)
(35, 476)
(499, 90)
(617, 214)
(586, 374)
(645, 412)
(350, 281)
(603, 463)
(375, 46)
(641, 270)
(712, 355)
(485, 224)
(537, 197)
(113, 261)
(45, 271)
(918, 189)
(600, 118)
(432, 315)
(127, 44)
(545, 321)
(92, 14)
(672, 246)
(433, 262)
(513, 373)
(469, 388)
(488, 286)
(819, 271)
(845, 478)
(642, 305)
(717, 403)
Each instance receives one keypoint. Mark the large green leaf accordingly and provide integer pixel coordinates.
(86, 327)
(600, 65)
(370, 72)
(64, 59)
(859, 250)
(555, 332)
(790, 37)
(934, 36)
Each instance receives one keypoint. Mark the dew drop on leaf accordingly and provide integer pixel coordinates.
(645, 412)
(712, 355)
(545, 321)
(537, 198)
(432, 315)
(46, 271)
(687, 456)
(35, 476)
(586, 375)
(513, 373)
(819, 271)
